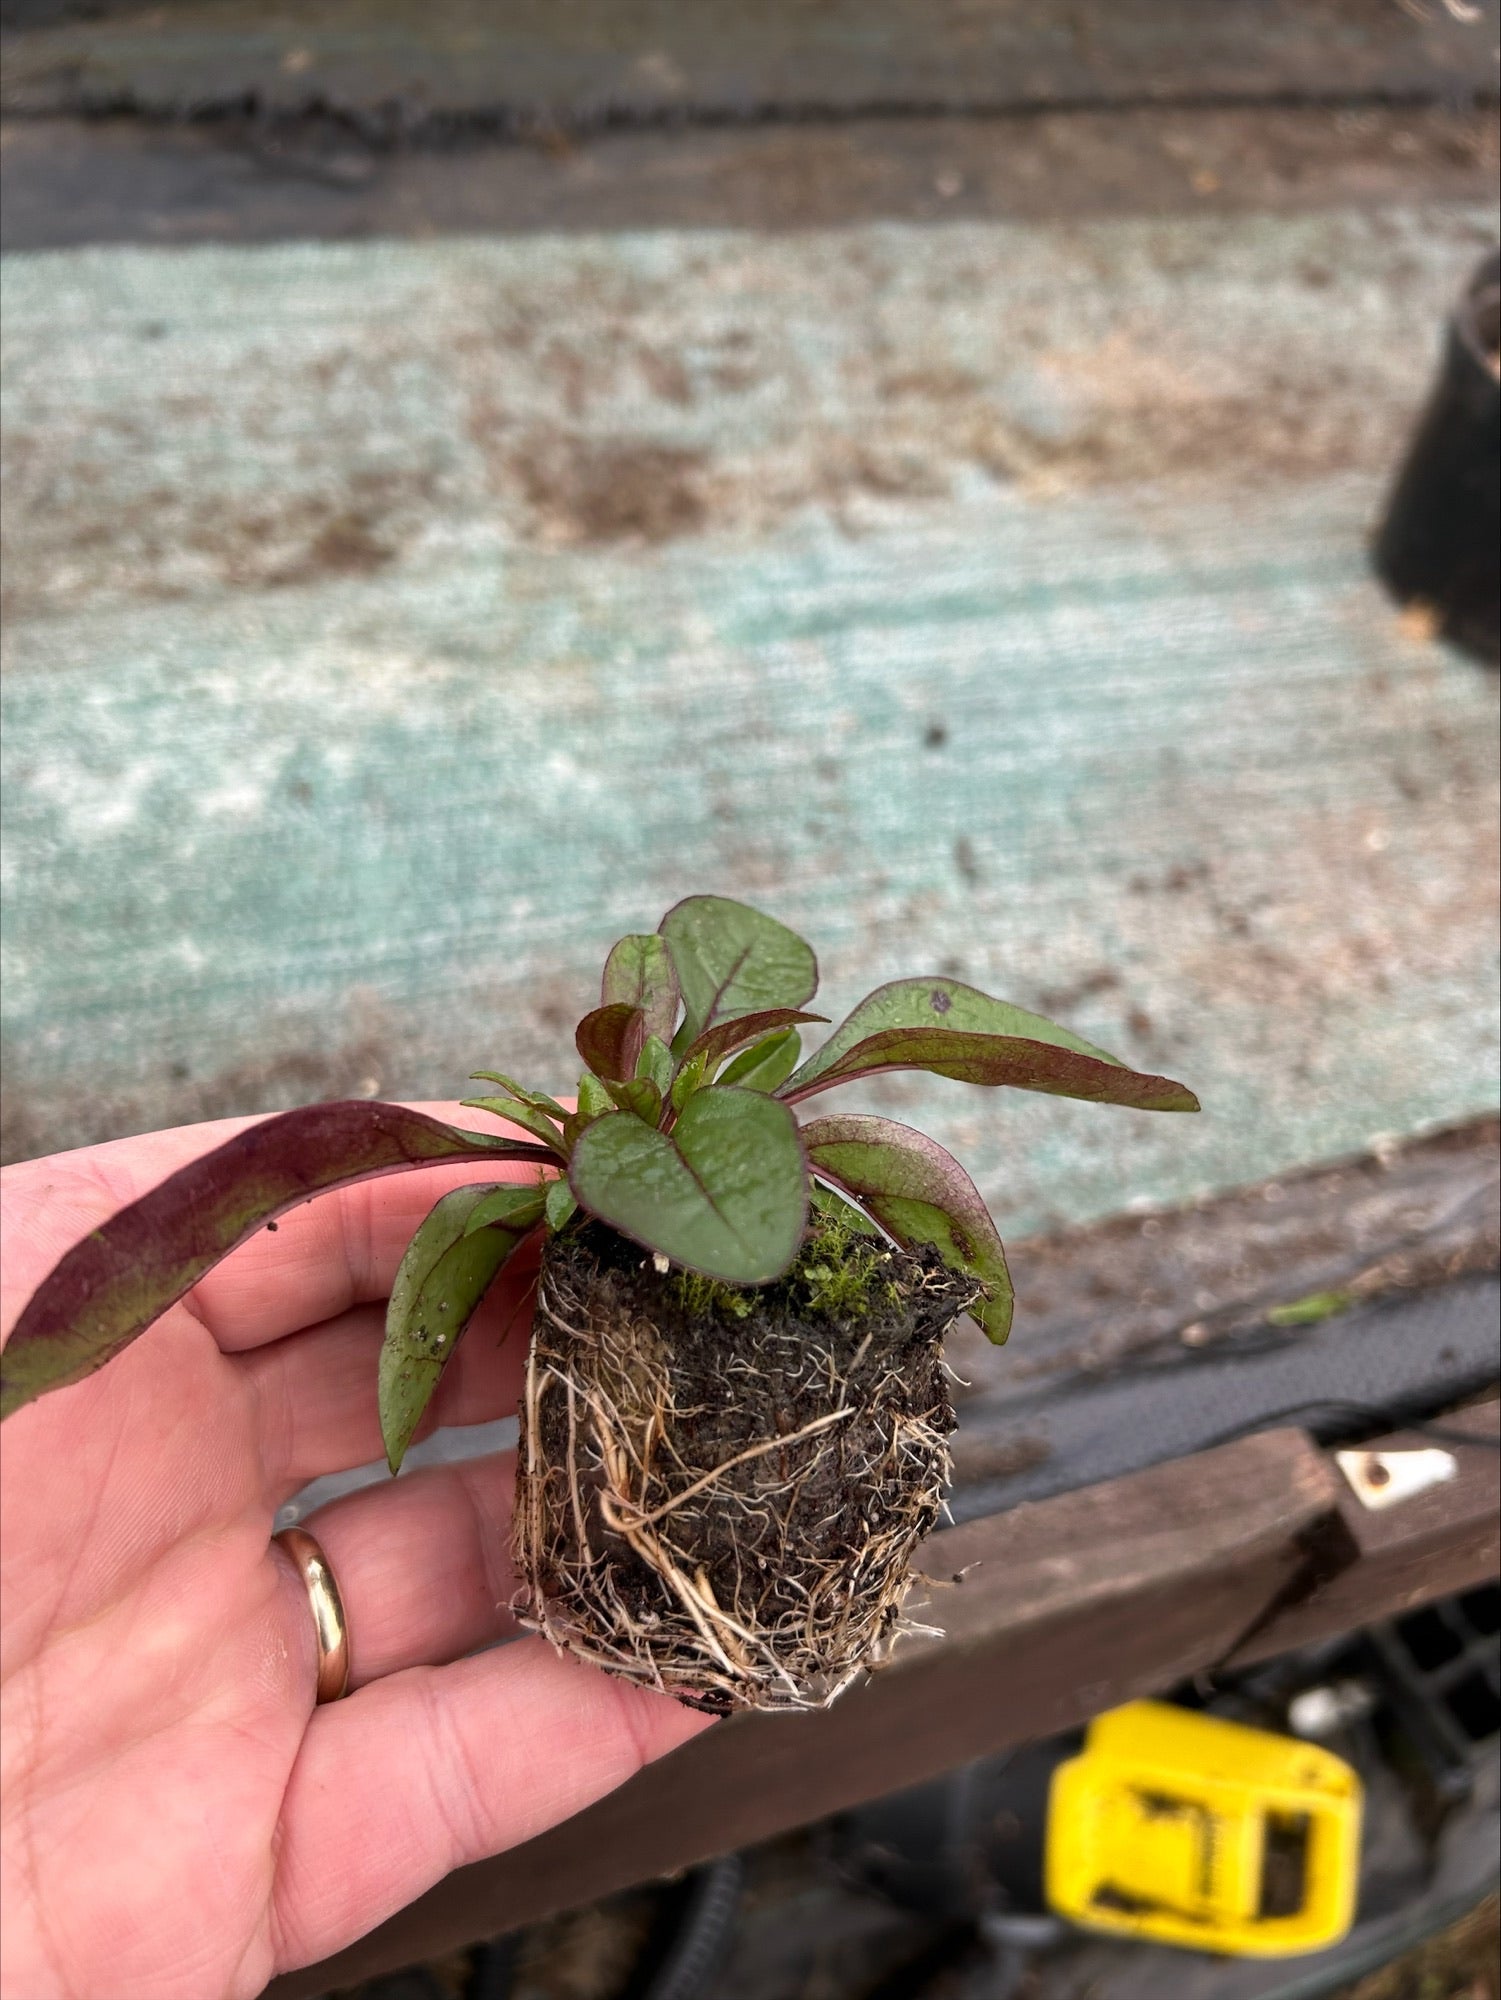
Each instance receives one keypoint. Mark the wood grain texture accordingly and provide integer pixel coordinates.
(391, 627)
(1439, 1542)
(1063, 1609)
(607, 61)
(236, 180)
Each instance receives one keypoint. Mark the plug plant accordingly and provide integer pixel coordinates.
(735, 1420)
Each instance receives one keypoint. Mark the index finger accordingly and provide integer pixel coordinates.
(338, 1250)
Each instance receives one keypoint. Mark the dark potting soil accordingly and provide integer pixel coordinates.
(720, 1489)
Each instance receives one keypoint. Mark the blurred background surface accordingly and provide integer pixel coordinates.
(475, 475)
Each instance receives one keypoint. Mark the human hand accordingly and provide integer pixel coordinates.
(180, 1820)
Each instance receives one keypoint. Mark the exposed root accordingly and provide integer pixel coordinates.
(727, 1509)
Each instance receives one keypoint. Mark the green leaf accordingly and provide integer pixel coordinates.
(715, 1043)
(934, 1004)
(732, 960)
(832, 1207)
(955, 1030)
(767, 1063)
(688, 1079)
(122, 1276)
(561, 1206)
(640, 1097)
(594, 1101)
(640, 973)
(610, 1040)
(447, 1269)
(514, 1204)
(920, 1194)
(655, 1063)
(538, 1099)
(725, 1193)
(538, 1123)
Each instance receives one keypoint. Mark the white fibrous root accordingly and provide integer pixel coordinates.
(726, 1509)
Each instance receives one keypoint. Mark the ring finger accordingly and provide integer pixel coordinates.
(423, 1565)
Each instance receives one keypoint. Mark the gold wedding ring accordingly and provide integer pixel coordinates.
(311, 1564)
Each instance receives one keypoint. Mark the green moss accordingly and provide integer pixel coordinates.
(841, 1263)
(701, 1296)
(837, 1274)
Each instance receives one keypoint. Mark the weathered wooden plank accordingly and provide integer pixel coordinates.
(604, 61)
(391, 627)
(1063, 1609)
(1374, 1367)
(233, 180)
(1407, 1216)
(1445, 1540)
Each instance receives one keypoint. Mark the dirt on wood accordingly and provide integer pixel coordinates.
(597, 491)
(1410, 1214)
(592, 403)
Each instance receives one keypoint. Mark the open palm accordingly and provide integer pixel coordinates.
(179, 1819)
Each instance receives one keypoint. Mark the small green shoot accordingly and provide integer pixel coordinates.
(1312, 1310)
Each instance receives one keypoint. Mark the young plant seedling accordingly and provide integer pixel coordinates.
(735, 1422)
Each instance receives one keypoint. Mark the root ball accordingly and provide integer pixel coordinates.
(720, 1491)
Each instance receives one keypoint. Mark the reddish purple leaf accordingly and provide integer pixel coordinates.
(112, 1285)
(611, 1039)
(722, 1040)
(950, 1029)
(640, 972)
(641, 1098)
(920, 1194)
(998, 1059)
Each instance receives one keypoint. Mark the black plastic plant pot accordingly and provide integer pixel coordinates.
(1439, 546)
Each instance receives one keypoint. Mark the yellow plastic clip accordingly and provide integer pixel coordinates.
(1186, 1830)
